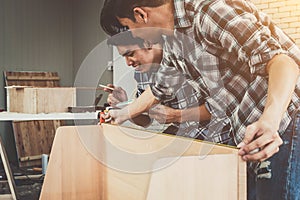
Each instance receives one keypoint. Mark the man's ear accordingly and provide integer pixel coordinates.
(140, 15)
(148, 45)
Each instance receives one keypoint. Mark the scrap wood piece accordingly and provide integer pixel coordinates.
(31, 138)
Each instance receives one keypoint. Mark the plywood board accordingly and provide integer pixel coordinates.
(191, 177)
(40, 100)
(26, 144)
(111, 162)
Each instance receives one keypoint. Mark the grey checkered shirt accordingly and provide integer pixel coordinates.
(185, 97)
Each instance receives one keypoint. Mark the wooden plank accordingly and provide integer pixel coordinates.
(37, 78)
(30, 136)
(45, 79)
(27, 158)
(10, 178)
(34, 138)
(89, 167)
(35, 100)
(6, 197)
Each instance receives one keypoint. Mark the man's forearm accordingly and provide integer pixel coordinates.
(199, 113)
(263, 135)
(283, 75)
(142, 103)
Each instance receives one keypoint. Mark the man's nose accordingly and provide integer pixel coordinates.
(129, 61)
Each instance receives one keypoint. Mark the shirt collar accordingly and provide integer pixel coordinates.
(181, 18)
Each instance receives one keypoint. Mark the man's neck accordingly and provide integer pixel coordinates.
(163, 16)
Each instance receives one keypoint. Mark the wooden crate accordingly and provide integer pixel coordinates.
(33, 138)
(111, 162)
(35, 100)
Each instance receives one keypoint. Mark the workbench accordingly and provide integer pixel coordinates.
(32, 143)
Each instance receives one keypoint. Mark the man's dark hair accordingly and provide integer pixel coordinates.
(122, 9)
(124, 39)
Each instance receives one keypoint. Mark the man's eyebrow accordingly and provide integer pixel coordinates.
(127, 52)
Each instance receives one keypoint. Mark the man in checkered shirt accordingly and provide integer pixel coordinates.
(175, 111)
(247, 67)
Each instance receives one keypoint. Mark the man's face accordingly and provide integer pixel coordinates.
(141, 59)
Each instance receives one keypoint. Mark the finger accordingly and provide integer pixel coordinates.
(251, 132)
(112, 100)
(118, 90)
(265, 153)
(116, 117)
(109, 86)
(255, 144)
(107, 90)
(116, 121)
(111, 96)
(111, 103)
(105, 116)
(109, 99)
(261, 141)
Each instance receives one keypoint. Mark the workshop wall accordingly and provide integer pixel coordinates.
(48, 35)
(87, 38)
(285, 13)
(34, 36)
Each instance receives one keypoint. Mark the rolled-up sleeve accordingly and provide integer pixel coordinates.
(237, 32)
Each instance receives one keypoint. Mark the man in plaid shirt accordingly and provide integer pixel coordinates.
(247, 67)
(146, 61)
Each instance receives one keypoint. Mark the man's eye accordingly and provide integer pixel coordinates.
(130, 53)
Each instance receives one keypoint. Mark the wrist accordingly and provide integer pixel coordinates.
(125, 114)
(272, 117)
(180, 115)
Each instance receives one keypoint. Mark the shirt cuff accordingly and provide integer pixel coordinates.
(258, 62)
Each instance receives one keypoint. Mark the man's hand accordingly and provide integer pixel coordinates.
(116, 96)
(261, 141)
(164, 114)
(117, 116)
(137, 107)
